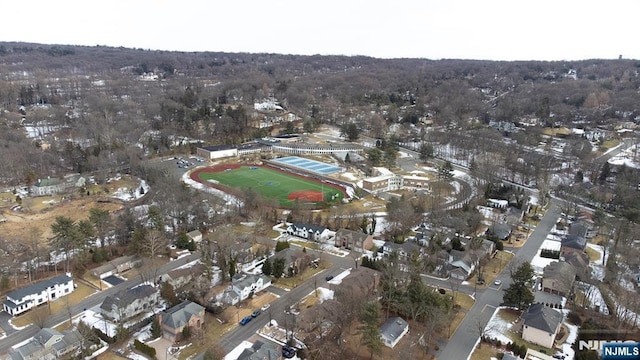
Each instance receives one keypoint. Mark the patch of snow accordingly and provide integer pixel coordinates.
(325, 294)
(126, 194)
(338, 278)
(597, 269)
(349, 176)
(567, 346)
(235, 353)
(594, 297)
(497, 327)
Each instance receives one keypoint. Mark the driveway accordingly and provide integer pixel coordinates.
(4, 323)
(161, 347)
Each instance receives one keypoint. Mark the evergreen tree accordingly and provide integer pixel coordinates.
(156, 329)
(604, 172)
(277, 268)
(426, 151)
(266, 267)
(369, 330)
(519, 294)
(445, 171)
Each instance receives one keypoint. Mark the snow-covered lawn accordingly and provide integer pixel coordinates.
(235, 353)
(497, 327)
(594, 297)
(127, 194)
(597, 269)
(538, 263)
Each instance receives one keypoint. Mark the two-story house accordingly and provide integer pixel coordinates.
(28, 297)
(129, 302)
(309, 232)
(174, 320)
(353, 240)
(245, 285)
(48, 344)
(558, 278)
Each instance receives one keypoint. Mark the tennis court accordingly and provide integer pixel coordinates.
(308, 165)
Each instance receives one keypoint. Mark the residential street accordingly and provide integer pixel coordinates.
(287, 298)
(464, 340)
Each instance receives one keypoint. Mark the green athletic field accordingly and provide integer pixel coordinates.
(271, 184)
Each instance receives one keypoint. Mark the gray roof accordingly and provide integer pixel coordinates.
(38, 287)
(311, 227)
(393, 327)
(127, 296)
(218, 147)
(260, 351)
(70, 339)
(542, 317)
(574, 242)
(559, 270)
(248, 280)
(179, 315)
(501, 231)
(578, 229)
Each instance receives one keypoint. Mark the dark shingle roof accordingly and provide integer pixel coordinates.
(127, 296)
(38, 287)
(179, 315)
(574, 242)
(393, 327)
(542, 317)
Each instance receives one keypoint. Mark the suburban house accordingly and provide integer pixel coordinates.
(294, 260)
(579, 229)
(44, 187)
(558, 278)
(404, 250)
(260, 350)
(362, 280)
(393, 330)
(116, 266)
(195, 235)
(48, 344)
(461, 264)
(580, 263)
(129, 302)
(572, 243)
(23, 299)
(541, 325)
(244, 286)
(356, 240)
(500, 231)
(182, 276)
(309, 232)
(174, 320)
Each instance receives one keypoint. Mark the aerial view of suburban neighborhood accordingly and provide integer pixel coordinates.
(252, 206)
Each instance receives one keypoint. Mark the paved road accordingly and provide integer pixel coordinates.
(287, 298)
(464, 340)
(89, 302)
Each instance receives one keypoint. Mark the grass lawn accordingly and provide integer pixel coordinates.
(292, 282)
(58, 305)
(609, 144)
(271, 184)
(594, 256)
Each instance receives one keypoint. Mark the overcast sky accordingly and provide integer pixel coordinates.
(433, 29)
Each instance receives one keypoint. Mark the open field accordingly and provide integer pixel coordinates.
(272, 184)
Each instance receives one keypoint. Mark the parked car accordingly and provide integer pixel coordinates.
(255, 313)
(265, 307)
(329, 277)
(497, 282)
(245, 320)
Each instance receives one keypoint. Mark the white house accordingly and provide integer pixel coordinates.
(195, 235)
(309, 232)
(23, 299)
(393, 330)
(245, 285)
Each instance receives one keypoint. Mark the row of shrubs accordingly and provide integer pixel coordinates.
(518, 350)
(144, 348)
